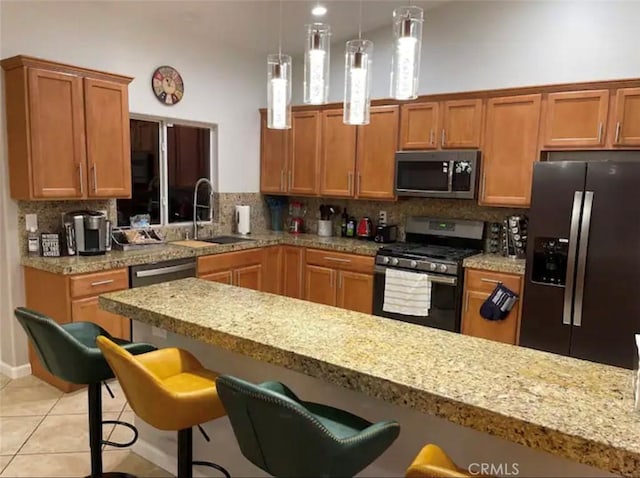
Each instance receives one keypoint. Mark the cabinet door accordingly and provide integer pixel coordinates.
(292, 267)
(627, 118)
(56, 124)
(355, 291)
(320, 285)
(418, 126)
(377, 146)
(224, 277)
(461, 124)
(510, 149)
(338, 155)
(272, 272)
(575, 119)
(304, 150)
(87, 310)
(108, 141)
(477, 326)
(249, 277)
(273, 158)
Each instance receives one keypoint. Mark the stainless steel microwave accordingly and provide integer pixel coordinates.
(438, 174)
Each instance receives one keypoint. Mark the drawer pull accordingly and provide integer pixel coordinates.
(102, 282)
(336, 259)
(492, 281)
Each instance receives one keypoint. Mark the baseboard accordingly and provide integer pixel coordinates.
(162, 459)
(15, 372)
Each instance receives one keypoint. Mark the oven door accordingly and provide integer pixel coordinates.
(446, 297)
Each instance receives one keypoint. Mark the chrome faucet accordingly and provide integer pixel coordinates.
(196, 205)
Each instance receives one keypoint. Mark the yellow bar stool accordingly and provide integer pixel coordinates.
(170, 390)
(433, 462)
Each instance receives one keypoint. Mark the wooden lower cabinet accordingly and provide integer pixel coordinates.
(249, 277)
(478, 286)
(224, 277)
(87, 310)
(355, 291)
(293, 272)
(320, 285)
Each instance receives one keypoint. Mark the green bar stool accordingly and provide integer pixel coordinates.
(69, 352)
(285, 436)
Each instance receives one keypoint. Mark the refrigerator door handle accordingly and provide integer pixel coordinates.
(571, 260)
(582, 257)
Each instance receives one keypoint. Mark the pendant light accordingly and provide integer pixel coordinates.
(279, 86)
(405, 65)
(316, 64)
(357, 78)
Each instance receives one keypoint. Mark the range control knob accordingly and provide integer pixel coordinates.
(413, 264)
(442, 268)
(394, 262)
(385, 260)
(432, 267)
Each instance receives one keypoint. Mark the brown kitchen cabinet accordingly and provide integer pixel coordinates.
(338, 155)
(223, 277)
(510, 150)
(73, 298)
(320, 284)
(355, 291)
(293, 271)
(419, 126)
(272, 270)
(478, 286)
(304, 153)
(626, 124)
(239, 268)
(575, 119)
(249, 277)
(274, 152)
(67, 131)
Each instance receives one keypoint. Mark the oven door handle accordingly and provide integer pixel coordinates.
(436, 279)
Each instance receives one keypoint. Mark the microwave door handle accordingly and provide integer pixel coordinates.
(450, 178)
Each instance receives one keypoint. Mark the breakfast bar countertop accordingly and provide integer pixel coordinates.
(571, 408)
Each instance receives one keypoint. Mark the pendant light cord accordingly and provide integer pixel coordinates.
(280, 33)
(360, 21)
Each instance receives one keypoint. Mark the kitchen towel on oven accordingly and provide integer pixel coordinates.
(499, 303)
(407, 293)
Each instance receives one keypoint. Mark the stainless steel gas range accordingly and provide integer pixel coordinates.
(435, 248)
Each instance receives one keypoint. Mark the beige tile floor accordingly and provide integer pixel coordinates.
(44, 432)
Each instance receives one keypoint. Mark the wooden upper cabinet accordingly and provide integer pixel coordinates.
(58, 166)
(338, 155)
(575, 119)
(67, 131)
(510, 150)
(627, 118)
(274, 152)
(304, 150)
(461, 124)
(419, 126)
(108, 138)
(377, 146)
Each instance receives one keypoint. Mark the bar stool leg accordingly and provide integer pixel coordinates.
(185, 453)
(95, 429)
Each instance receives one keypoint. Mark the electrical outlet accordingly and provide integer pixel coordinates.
(31, 221)
(158, 332)
(382, 218)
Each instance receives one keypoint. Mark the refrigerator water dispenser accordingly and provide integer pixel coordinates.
(550, 260)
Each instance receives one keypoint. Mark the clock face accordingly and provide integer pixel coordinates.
(167, 85)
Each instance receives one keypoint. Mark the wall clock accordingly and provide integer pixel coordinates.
(167, 85)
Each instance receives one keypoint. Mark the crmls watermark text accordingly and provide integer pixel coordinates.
(494, 469)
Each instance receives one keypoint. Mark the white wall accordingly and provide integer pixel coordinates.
(222, 86)
(485, 45)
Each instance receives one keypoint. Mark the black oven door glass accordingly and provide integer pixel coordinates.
(461, 176)
(423, 175)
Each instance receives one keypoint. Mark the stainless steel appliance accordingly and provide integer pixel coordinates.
(435, 247)
(438, 174)
(165, 271)
(386, 234)
(583, 266)
(88, 233)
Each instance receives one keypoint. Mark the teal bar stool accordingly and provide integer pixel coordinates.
(69, 352)
(285, 436)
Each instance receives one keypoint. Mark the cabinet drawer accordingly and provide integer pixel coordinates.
(486, 281)
(99, 282)
(340, 260)
(229, 260)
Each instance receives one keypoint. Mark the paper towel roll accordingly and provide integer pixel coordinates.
(243, 219)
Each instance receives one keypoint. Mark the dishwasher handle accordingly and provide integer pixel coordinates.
(165, 270)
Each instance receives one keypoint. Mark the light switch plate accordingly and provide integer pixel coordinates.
(31, 221)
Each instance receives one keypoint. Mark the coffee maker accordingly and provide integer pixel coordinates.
(88, 233)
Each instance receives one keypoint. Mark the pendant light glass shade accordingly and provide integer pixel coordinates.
(279, 91)
(357, 82)
(316, 64)
(405, 65)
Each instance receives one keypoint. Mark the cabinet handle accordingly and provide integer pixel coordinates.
(336, 259)
(617, 132)
(340, 281)
(466, 302)
(350, 181)
(101, 282)
(484, 185)
(443, 137)
(281, 179)
(95, 178)
(432, 136)
(359, 184)
(600, 131)
(492, 281)
(81, 179)
(290, 180)
(331, 279)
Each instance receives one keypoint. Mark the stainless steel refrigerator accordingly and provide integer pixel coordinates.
(582, 290)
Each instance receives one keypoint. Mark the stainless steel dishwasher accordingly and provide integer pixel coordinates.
(164, 271)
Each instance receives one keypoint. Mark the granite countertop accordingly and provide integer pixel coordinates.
(495, 262)
(572, 408)
(116, 259)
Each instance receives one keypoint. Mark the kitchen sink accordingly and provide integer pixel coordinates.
(225, 240)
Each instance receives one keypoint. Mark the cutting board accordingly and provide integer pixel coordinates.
(193, 243)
